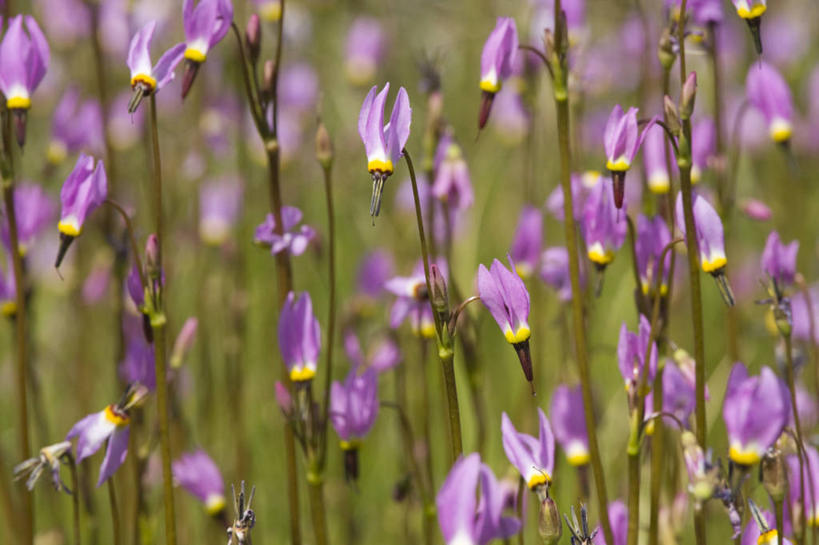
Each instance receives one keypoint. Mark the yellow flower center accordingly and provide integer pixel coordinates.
(539, 478)
(515, 337)
(8, 308)
(600, 255)
(743, 456)
(301, 373)
(116, 417)
(747, 12)
(713, 264)
(18, 103)
(771, 536)
(620, 165)
(195, 55)
(379, 165)
(145, 80)
(349, 445)
(69, 226)
(214, 504)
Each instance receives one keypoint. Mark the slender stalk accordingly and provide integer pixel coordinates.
(75, 499)
(331, 311)
(634, 482)
(425, 412)
(789, 376)
(779, 513)
(158, 323)
(446, 353)
(657, 461)
(315, 492)
(115, 522)
(561, 95)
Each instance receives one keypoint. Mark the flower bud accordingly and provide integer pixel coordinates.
(773, 472)
(267, 79)
(688, 96)
(549, 525)
(665, 51)
(152, 256)
(672, 118)
(439, 296)
(184, 342)
(253, 38)
(324, 146)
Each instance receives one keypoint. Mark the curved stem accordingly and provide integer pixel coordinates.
(250, 89)
(131, 238)
(453, 321)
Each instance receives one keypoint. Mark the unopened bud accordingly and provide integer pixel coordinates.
(439, 296)
(184, 342)
(253, 38)
(688, 96)
(772, 469)
(672, 118)
(152, 256)
(324, 146)
(549, 524)
(268, 71)
(665, 51)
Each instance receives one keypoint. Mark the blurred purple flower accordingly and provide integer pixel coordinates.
(702, 12)
(151, 78)
(92, 431)
(497, 59)
(511, 120)
(569, 423)
(384, 356)
(183, 342)
(465, 518)
(65, 21)
(654, 160)
(779, 261)
(365, 49)
(631, 356)
(755, 412)
(703, 147)
(678, 395)
(354, 406)
(618, 518)
(526, 245)
(23, 61)
(452, 184)
(8, 290)
(413, 300)
(756, 210)
(299, 337)
(34, 209)
(582, 184)
(83, 191)
(603, 228)
(804, 313)
(139, 363)
(806, 499)
(220, 203)
(299, 88)
(554, 270)
(294, 242)
(768, 92)
(652, 238)
(375, 268)
(197, 473)
(710, 241)
(75, 127)
(96, 283)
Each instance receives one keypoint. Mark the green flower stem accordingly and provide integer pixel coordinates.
(561, 94)
(115, 522)
(779, 513)
(158, 323)
(633, 451)
(75, 499)
(315, 493)
(446, 351)
(800, 447)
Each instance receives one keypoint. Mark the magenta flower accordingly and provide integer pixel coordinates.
(631, 356)
(622, 139)
(452, 184)
(75, 127)
(618, 518)
(23, 61)
(354, 406)
(569, 424)
(702, 12)
(504, 294)
(34, 209)
(764, 531)
(526, 246)
(533, 458)
(92, 431)
(603, 228)
(652, 238)
(750, 9)
(413, 300)
(299, 337)
(139, 363)
(554, 270)
(755, 411)
(779, 261)
(469, 519)
(205, 26)
(703, 147)
(292, 241)
(709, 236)
(801, 315)
(365, 49)
(806, 499)
(382, 357)
(147, 78)
(678, 396)
(220, 202)
(384, 144)
(85, 189)
(768, 92)
(654, 160)
(497, 59)
(197, 473)
(373, 272)
(582, 184)
(756, 210)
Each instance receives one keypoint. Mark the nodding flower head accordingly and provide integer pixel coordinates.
(413, 300)
(23, 61)
(497, 60)
(145, 77)
(291, 240)
(85, 189)
(779, 261)
(652, 238)
(756, 410)
(622, 139)
(354, 406)
(205, 26)
(197, 473)
(809, 498)
(299, 337)
(768, 92)
(384, 144)
(709, 234)
(603, 228)
(533, 458)
(654, 147)
(75, 127)
(526, 246)
(452, 184)
(569, 423)
(467, 518)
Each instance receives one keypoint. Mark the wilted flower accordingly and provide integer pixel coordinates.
(205, 26)
(533, 458)
(452, 184)
(603, 228)
(50, 457)
(384, 144)
(554, 270)
(75, 127)
(354, 406)
(145, 78)
(497, 60)
(365, 49)
(755, 411)
(294, 242)
(779, 261)
(768, 92)
(709, 235)
(652, 238)
(83, 191)
(33, 209)
(569, 424)
(622, 139)
(631, 356)
(504, 294)
(525, 250)
(23, 63)
(220, 202)
(466, 519)
(197, 473)
(299, 337)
